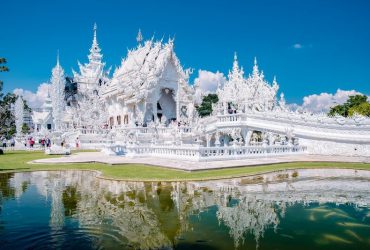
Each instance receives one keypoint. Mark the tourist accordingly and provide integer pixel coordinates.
(12, 142)
(32, 142)
(48, 142)
(4, 142)
(43, 142)
(77, 143)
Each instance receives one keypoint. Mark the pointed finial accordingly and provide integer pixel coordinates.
(255, 68)
(95, 28)
(235, 56)
(58, 57)
(139, 37)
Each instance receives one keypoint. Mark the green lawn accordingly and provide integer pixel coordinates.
(16, 161)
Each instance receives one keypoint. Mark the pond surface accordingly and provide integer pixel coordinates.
(304, 209)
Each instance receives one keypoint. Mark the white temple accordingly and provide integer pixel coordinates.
(148, 108)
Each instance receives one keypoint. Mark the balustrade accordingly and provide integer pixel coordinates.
(212, 153)
(230, 118)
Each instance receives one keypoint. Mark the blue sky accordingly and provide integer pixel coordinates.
(332, 38)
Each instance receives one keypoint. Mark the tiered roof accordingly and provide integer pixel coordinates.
(92, 72)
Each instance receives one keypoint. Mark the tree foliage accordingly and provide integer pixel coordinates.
(3, 68)
(25, 129)
(362, 109)
(205, 108)
(356, 104)
(7, 121)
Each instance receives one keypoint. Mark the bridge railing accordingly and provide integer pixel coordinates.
(149, 130)
(212, 153)
(299, 119)
(231, 118)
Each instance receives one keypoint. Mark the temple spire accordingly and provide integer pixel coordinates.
(56, 94)
(95, 45)
(58, 64)
(255, 68)
(95, 55)
(139, 37)
(95, 40)
(235, 64)
(237, 72)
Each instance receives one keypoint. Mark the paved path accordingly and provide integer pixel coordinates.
(86, 157)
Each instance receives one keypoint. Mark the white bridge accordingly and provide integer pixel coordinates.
(232, 136)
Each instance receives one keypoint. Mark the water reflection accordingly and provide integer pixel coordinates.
(151, 215)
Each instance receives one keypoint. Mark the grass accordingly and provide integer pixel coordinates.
(16, 161)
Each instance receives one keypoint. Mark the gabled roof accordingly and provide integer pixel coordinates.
(143, 68)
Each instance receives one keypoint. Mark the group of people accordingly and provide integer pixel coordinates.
(45, 142)
(6, 143)
(30, 142)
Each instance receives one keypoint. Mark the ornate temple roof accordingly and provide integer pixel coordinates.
(143, 67)
(253, 90)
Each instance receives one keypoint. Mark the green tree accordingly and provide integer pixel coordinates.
(361, 109)
(338, 110)
(25, 128)
(7, 121)
(352, 103)
(205, 108)
(3, 68)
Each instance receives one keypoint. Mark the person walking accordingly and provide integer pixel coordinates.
(4, 142)
(32, 142)
(77, 143)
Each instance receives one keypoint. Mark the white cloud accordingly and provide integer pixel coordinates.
(34, 100)
(208, 81)
(323, 102)
(297, 46)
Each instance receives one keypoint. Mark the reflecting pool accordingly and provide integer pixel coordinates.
(303, 209)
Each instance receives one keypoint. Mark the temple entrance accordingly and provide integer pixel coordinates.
(166, 106)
